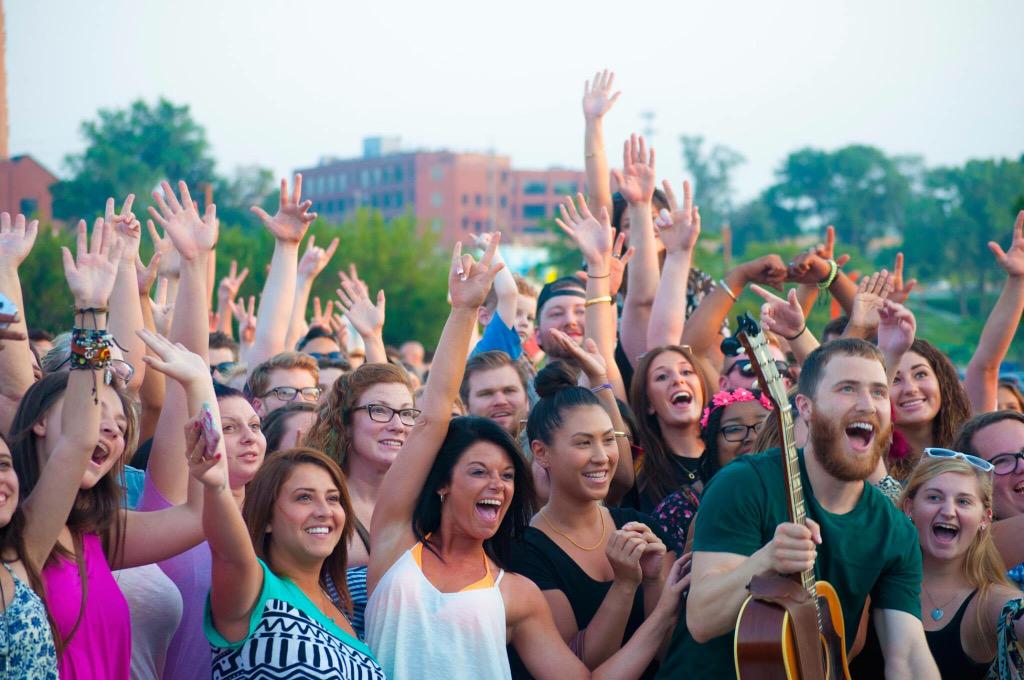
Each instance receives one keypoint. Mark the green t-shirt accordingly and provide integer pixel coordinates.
(871, 550)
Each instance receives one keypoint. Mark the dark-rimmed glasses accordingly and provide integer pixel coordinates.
(979, 463)
(738, 432)
(289, 393)
(1006, 463)
(380, 413)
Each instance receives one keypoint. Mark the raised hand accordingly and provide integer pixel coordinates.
(163, 310)
(170, 260)
(900, 288)
(678, 227)
(808, 267)
(16, 239)
(597, 95)
(190, 233)
(354, 299)
(586, 357)
(315, 259)
(228, 287)
(145, 275)
(246, 317)
(322, 316)
(767, 269)
(293, 218)
(174, 359)
(637, 178)
(896, 329)
(872, 292)
(593, 235)
(469, 280)
(91, 273)
(1012, 260)
(782, 317)
(827, 250)
(340, 329)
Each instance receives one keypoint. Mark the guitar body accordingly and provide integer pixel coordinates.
(765, 644)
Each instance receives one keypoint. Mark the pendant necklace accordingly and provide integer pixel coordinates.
(938, 612)
(691, 473)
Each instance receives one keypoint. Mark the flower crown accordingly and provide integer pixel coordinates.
(736, 396)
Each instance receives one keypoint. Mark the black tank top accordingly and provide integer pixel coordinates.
(949, 653)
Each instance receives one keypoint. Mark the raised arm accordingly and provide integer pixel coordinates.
(90, 277)
(194, 237)
(227, 291)
(593, 236)
(872, 292)
(896, 330)
(289, 227)
(505, 289)
(636, 183)
(597, 101)
(786, 319)
(16, 240)
(312, 263)
(391, 528)
(982, 378)
(366, 317)
(125, 310)
(678, 229)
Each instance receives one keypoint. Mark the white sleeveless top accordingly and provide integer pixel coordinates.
(419, 633)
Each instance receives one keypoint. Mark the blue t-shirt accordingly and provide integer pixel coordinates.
(289, 637)
(497, 335)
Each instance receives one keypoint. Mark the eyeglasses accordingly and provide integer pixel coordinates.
(223, 367)
(737, 433)
(383, 414)
(979, 463)
(333, 356)
(119, 369)
(1006, 463)
(747, 369)
(289, 393)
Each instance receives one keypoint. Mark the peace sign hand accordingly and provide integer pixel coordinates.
(293, 218)
(127, 225)
(229, 285)
(678, 227)
(315, 259)
(469, 280)
(246, 320)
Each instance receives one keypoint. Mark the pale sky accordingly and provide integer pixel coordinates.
(281, 84)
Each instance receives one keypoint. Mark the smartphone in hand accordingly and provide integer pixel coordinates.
(211, 433)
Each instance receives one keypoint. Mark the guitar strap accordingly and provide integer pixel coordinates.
(791, 596)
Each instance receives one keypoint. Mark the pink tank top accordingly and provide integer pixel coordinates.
(101, 646)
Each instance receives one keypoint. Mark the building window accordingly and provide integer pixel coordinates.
(436, 200)
(342, 182)
(478, 199)
(364, 178)
(437, 173)
(398, 199)
(373, 201)
(29, 206)
(398, 174)
(564, 188)
(465, 223)
(534, 212)
(465, 199)
(437, 224)
(341, 206)
(504, 201)
(478, 226)
(376, 177)
(534, 188)
(330, 207)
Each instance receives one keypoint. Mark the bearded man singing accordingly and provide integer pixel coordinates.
(855, 538)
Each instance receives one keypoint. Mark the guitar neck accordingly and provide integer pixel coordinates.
(794, 486)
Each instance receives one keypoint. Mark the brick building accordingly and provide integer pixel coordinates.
(452, 193)
(25, 188)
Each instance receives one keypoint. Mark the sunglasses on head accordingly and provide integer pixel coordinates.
(979, 463)
(222, 367)
(746, 368)
(333, 356)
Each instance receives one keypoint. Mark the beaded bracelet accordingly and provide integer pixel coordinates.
(598, 388)
(90, 350)
(833, 270)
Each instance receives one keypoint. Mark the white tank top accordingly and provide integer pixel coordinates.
(419, 633)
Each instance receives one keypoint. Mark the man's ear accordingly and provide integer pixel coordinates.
(804, 406)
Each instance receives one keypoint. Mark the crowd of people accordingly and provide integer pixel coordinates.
(581, 480)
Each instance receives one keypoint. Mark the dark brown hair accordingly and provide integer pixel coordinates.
(332, 432)
(813, 369)
(262, 493)
(488, 361)
(964, 441)
(654, 479)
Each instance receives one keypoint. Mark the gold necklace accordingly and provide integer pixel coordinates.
(604, 531)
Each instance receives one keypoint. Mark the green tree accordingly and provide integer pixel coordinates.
(48, 302)
(131, 150)
(712, 178)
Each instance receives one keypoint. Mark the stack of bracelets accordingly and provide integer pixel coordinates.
(90, 348)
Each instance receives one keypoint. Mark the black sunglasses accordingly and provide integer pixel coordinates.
(747, 369)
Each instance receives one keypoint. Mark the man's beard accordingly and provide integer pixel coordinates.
(826, 435)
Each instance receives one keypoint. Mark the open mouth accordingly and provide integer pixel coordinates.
(945, 533)
(860, 434)
(3, 498)
(394, 444)
(500, 414)
(1019, 489)
(681, 398)
(318, 531)
(100, 454)
(911, 404)
(597, 477)
(488, 509)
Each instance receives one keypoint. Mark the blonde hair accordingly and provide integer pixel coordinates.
(983, 565)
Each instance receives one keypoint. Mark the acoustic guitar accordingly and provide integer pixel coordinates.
(790, 627)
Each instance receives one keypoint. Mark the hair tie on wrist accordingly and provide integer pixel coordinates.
(598, 388)
(802, 331)
(595, 276)
(597, 300)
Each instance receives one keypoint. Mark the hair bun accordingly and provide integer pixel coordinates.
(554, 378)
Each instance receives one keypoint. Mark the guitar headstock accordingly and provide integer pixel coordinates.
(752, 338)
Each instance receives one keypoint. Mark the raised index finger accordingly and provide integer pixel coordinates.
(767, 296)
